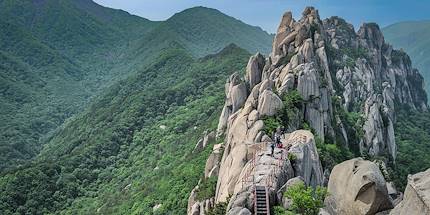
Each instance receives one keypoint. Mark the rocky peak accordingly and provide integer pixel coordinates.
(336, 74)
(371, 33)
(342, 34)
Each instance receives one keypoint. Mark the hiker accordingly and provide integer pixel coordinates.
(276, 140)
(272, 146)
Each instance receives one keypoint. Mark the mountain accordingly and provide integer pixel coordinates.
(114, 114)
(51, 52)
(58, 55)
(324, 125)
(413, 37)
(196, 26)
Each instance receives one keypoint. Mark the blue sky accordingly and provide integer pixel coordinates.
(267, 13)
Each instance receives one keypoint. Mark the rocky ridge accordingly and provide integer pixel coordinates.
(336, 72)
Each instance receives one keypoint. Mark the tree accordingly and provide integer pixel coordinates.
(306, 201)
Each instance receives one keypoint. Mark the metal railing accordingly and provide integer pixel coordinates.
(270, 181)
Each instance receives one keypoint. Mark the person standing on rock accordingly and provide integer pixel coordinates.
(272, 146)
(276, 140)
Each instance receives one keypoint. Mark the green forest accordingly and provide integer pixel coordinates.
(58, 55)
(103, 159)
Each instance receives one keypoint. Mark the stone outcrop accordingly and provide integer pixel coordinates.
(213, 161)
(357, 187)
(199, 207)
(307, 162)
(253, 70)
(273, 172)
(268, 171)
(207, 138)
(268, 103)
(236, 93)
(416, 199)
(376, 76)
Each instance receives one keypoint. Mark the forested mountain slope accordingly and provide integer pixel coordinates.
(54, 54)
(104, 159)
(414, 38)
(58, 54)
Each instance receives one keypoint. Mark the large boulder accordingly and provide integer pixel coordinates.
(284, 30)
(254, 70)
(263, 169)
(235, 155)
(307, 163)
(269, 103)
(193, 205)
(236, 94)
(357, 187)
(416, 200)
(213, 161)
(318, 106)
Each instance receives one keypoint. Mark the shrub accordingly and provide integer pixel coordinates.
(306, 201)
(292, 102)
(270, 124)
(206, 188)
(292, 157)
(331, 154)
(292, 99)
(278, 210)
(220, 208)
(355, 53)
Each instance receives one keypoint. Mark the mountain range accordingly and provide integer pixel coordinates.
(58, 55)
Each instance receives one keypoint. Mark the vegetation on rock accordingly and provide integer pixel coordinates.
(206, 188)
(287, 116)
(306, 200)
(413, 141)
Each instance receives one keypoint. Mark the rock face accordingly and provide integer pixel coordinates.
(376, 76)
(357, 187)
(268, 103)
(328, 59)
(236, 94)
(203, 142)
(307, 163)
(274, 172)
(417, 196)
(259, 168)
(254, 69)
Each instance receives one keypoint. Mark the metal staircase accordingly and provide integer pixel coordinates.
(261, 204)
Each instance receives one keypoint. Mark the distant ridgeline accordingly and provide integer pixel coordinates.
(56, 56)
(414, 38)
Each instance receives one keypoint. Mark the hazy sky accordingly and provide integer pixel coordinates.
(267, 13)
